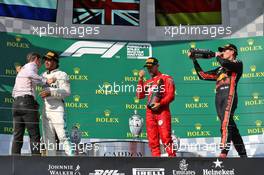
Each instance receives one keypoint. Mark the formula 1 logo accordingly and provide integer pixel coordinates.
(106, 172)
(106, 49)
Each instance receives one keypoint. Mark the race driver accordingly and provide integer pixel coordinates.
(226, 77)
(53, 116)
(158, 116)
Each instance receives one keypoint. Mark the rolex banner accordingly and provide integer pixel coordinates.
(104, 75)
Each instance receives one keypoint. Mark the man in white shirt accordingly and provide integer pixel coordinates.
(25, 107)
(53, 116)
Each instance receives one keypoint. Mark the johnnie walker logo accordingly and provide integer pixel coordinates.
(76, 103)
(107, 118)
(77, 75)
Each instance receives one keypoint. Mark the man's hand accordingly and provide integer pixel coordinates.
(18, 68)
(156, 106)
(219, 54)
(141, 74)
(189, 54)
(51, 80)
(44, 94)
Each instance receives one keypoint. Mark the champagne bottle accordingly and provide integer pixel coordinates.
(201, 53)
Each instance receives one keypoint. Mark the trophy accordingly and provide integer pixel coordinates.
(156, 96)
(135, 124)
(75, 137)
(176, 141)
(201, 53)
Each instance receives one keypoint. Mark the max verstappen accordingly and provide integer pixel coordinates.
(227, 77)
(160, 91)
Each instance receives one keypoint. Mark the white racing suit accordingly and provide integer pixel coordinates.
(53, 116)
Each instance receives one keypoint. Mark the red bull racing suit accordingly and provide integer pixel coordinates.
(226, 77)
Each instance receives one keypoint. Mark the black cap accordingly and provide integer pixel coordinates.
(228, 46)
(151, 61)
(50, 55)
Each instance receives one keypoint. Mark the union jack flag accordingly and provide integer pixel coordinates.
(106, 12)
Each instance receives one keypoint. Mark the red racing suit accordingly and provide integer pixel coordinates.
(158, 123)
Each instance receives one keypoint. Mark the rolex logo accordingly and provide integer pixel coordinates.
(258, 123)
(18, 38)
(192, 44)
(78, 125)
(196, 99)
(136, 100)
(76, 98)
(76, 70)
(107, 113)
(194, 72)
(135, 72)
(17, 64)
(198, 126)
(250, 42)
(255, 95)
(253, 68)
(106, 85)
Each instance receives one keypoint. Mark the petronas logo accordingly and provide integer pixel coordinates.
(18, 38)
(192, 44)
(255, 96)
(258, 123)
(107, 113)
(76, 70)
(194, 72)
(76, 98)
(253, 68)
(196, 99)
(135, 72)
(250, 42)
(136, 100)
(198, 126)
